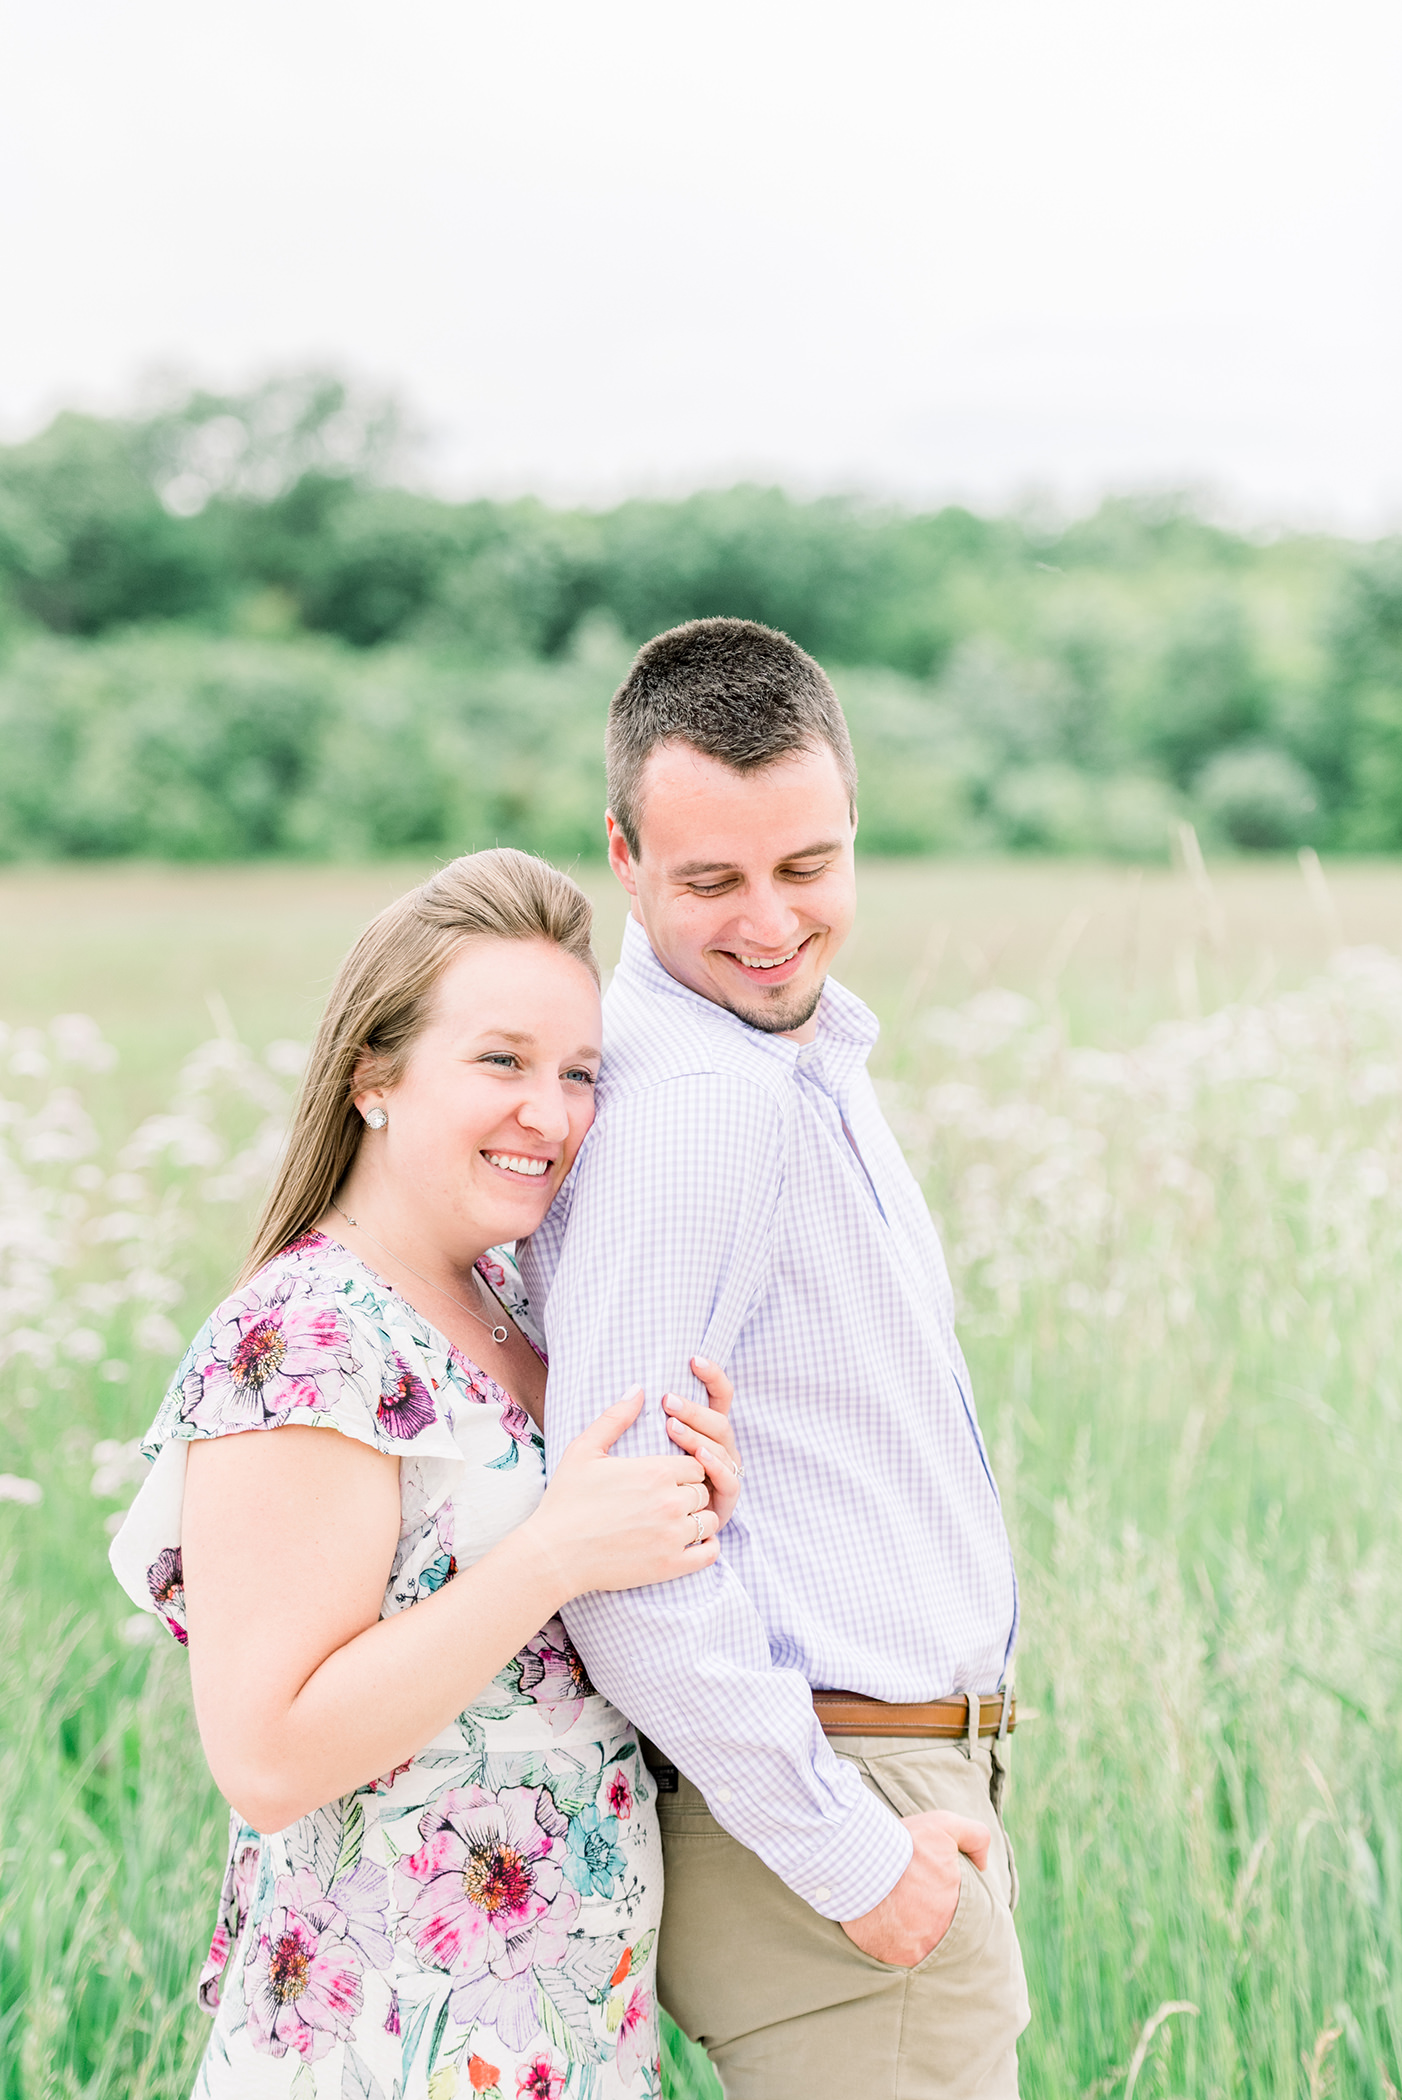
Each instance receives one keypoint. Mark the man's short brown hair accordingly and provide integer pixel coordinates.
(731, 689)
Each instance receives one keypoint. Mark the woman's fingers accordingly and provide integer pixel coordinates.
(705, 1428)
(718, 1463)
(701, 1528)
(690, 1425)
(717, 1385)
(706, 1433)
(605, 1430)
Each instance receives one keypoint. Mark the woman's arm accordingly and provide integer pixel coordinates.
(302, 1691)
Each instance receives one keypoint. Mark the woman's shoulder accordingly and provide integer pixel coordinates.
(311, 1337)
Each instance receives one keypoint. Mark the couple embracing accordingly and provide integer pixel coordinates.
(472, 1669)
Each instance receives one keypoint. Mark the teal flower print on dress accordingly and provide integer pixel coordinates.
(593, 1861)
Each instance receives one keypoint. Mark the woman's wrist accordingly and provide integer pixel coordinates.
(542, 1562)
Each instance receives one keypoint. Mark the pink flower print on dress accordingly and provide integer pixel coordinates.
(486, 1899)
(487, 1393)
(543, 2078)
(360, 1899)
(553, 1674)
(386, 1780)
(303, 1981)
(635, 2038)
(515, 1421)
(619, 1795)
(406, 1404)
(240, 1881)
(264, 1358)
(479, 1386)
(165, 1579)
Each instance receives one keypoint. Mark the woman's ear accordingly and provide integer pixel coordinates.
(369, 1085)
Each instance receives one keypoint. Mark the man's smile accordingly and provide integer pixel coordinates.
(773, 969)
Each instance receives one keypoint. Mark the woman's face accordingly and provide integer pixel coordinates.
(495, 1098)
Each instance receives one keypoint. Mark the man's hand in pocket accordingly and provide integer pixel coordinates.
(910, 1923)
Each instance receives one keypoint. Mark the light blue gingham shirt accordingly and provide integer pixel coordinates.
(719, 1208)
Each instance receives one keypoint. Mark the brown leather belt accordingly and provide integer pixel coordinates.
(852, 1713)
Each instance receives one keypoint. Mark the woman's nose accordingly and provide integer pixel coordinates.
(544, 1111)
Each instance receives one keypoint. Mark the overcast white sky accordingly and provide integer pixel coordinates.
(926, 247)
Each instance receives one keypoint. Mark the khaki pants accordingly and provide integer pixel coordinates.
(784, 2003)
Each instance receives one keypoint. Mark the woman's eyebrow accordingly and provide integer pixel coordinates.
(526, 1041)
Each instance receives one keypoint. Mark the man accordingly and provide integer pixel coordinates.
(839, 1886)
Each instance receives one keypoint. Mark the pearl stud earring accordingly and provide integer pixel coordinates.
(376, 1119)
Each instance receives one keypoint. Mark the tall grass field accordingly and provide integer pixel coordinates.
(1159, 1118)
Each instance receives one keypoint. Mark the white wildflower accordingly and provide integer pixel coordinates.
(155, 1335)
(117, 1466)
(286, 1058)
(78, 1040)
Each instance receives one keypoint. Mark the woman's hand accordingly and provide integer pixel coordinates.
(706, 1432)
(609, 1523)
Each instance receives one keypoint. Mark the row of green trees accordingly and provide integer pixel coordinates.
(227, 627)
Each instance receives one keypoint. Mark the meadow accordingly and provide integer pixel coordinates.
(1157, 1113)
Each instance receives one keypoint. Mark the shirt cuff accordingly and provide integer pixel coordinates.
(859, 1861)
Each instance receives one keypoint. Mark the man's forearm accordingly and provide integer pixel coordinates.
(694, 1674)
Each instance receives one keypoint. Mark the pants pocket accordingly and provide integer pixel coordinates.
(912, 1778)
(969, 1912)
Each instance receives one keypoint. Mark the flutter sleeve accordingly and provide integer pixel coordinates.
(299, 1345)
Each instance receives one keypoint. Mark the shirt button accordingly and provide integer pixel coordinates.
(821, 1895)
(722, 1793)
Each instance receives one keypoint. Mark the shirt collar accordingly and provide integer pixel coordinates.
(847, 1028)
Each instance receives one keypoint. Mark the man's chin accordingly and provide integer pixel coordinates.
(777, 1014)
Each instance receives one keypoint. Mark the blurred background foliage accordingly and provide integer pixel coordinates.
(229, 628)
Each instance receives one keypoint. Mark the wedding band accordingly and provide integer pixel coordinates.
(737, 1466)
(705, 1496)
(700, 1538)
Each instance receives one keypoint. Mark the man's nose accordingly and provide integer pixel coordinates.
(768, 921)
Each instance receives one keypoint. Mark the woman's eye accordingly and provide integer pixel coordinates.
(501, 1058)
(580, 1076)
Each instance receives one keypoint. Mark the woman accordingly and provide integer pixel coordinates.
(459, 1881)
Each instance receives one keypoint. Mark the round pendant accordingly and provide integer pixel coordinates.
(499, 1334)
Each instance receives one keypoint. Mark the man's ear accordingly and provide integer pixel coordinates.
(620, 859)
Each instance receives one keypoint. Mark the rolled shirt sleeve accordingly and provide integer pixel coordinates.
(637, 1289)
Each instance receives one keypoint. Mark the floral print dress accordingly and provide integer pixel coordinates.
(482, 1920)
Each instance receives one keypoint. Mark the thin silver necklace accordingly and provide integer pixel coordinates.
(498, 1334)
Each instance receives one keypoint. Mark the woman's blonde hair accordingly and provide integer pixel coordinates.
(380, 1001)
